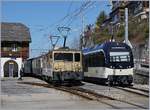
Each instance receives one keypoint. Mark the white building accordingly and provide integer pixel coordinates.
(15, 39)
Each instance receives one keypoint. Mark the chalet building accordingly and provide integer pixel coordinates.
(137, 11)
(117, 13)
(15, 39)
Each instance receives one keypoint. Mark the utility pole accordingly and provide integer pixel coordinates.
(112, 31)
(126, 25)
(126, 28)
(82, 35)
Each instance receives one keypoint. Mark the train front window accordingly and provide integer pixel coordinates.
(63, 56)
(77, 57)
(119, 57)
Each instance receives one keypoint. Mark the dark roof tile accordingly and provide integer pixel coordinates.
(15, 32)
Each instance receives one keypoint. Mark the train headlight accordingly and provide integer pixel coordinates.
(56, 68)
(77, 68)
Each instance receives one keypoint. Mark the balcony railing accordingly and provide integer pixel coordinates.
(17, 54)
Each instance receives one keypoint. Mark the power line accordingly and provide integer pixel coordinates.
(66, 16)
(69, 8)
(69, 15)
(83, 8)
(38, 49)
(60, 20)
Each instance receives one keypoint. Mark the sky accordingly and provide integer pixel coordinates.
(44, 17)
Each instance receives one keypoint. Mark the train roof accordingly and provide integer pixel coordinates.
(59, 49)
(105, 46)
(65, 49)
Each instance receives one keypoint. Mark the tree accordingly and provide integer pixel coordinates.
(102, 16)
(138, 31)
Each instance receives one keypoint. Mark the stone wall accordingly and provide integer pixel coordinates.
(141, 77)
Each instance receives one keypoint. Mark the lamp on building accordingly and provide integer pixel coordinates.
(10, 54)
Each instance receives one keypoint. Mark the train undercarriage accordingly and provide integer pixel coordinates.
(120, 80)
(112, 80)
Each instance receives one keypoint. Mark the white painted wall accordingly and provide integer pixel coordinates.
(4, 60)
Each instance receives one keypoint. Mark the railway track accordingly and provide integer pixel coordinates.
(144, 90)
(99, 96)
(134, 90)
(141, 92)
(131, 89)
(87, 94)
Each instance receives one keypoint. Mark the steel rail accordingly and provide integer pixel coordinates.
(85, 93)
(134, 91)
(143, 90)
(76, 91)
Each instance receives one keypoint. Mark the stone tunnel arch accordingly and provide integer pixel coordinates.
(10, 69)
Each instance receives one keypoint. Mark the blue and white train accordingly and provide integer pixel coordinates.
(110, 62)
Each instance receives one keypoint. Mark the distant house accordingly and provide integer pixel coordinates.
(15, 39)
(117, 13)
(137, 11)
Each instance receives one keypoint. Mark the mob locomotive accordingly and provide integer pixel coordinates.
(110, 62)
(57, 66)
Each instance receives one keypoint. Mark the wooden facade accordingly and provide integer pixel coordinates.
(15, 49)
(15, 39)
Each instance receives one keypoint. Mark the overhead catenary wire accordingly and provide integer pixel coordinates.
(75, 12)
(81, 11)
(56, 23)
(70, 16)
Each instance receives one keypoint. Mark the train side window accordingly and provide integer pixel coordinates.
(101, 60)
(128, 58)
(97, 60)
(77, 57)
(41, 63)
(90, 61)
(34, 64)
(86, 61)
(94, 62)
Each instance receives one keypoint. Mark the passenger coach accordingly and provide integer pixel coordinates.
(110, 62)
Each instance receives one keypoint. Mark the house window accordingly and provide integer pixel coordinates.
(77, 57)
(5, 49)
(14, 47)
